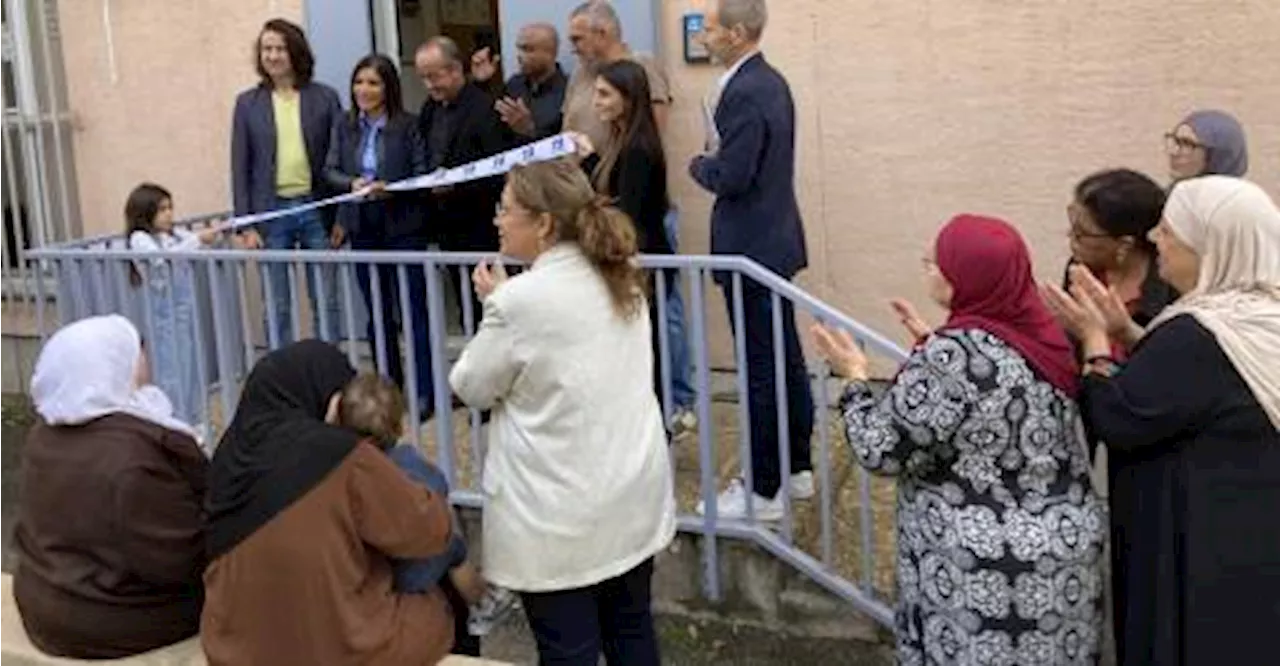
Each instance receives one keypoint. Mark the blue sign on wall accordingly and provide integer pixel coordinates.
(694, 50)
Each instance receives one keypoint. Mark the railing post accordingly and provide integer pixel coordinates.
(411, 351)
(439, 364)
(706, 461)
(783, 412)
(741, 366)
(664, 346)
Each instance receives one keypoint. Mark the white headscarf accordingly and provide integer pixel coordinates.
(1235, 228)
(86, 371)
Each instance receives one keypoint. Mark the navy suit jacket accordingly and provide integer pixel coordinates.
(253, 145)
(401, 155)
(753, 173)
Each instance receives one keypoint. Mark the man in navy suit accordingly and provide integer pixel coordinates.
(750, 167)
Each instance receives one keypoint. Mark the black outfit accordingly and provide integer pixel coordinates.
(464, 130)
(457, 133)
(1194, 491)
(392, 222)
(277, 447)
(545, 100)
(638, 185)
(572, 627)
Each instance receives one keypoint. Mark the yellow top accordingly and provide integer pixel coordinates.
(293, 170)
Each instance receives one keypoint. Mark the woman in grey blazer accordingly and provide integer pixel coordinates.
(279, 140)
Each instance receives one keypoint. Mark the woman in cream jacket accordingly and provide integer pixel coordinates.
(577, 481)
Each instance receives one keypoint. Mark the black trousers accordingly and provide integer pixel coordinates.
(572, 627)
(757, 320)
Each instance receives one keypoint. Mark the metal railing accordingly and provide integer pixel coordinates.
(93, 277)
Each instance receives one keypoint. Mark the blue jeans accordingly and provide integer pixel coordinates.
(419, 576)
(171, 338)
(387, 313)
(306, 231)
(682, 393)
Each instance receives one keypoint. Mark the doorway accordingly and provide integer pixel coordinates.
(400, 26)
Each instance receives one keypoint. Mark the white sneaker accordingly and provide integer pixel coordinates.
(801, 486)
(489, 611)
(732, 504)
(683, 421)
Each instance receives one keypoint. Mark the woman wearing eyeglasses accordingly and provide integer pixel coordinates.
(1110, 215)
(1207, 142)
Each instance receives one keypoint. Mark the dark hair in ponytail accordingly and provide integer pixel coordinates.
(559, 188)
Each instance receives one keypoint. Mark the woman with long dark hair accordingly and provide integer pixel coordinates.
(631, 168)
(377, 143)
(280, 134)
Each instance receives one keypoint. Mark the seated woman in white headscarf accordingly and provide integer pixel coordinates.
(110, 519)
(1196, 409)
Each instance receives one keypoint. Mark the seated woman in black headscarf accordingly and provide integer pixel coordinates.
(304, 520)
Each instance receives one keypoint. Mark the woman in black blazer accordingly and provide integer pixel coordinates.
(631, 169)
(374, 144)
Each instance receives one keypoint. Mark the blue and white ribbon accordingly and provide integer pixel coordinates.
(495, 165)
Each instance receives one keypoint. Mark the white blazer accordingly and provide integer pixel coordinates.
(578, 481)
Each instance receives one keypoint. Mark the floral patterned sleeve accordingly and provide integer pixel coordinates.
(902, 430)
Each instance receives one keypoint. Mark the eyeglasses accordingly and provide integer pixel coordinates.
(500, 211)
(1175, 144)
(1078, 230)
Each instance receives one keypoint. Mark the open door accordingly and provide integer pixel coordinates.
(403, 25)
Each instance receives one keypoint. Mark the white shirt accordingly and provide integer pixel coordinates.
(577, 481)
(177, 240)
(729, 73)
(712, 100)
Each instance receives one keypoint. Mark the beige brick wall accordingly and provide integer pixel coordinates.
(167, 116)
(908, 111)
(912, 111)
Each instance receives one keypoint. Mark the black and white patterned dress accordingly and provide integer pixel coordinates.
(1000, 533)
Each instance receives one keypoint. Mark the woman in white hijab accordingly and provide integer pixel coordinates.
(110, 518)
(1196, 414)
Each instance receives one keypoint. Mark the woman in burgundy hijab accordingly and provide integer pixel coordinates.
(1000, 533)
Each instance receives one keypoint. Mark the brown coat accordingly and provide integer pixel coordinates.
(110, 535)
(313, 585)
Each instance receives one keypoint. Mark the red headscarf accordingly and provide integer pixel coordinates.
(989, 269)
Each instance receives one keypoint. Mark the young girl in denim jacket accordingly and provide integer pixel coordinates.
(169, 320)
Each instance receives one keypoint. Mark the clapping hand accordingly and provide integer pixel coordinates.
(487, 279)
(516, 114)
(483, 65)
(840, 351)
(910, 318)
